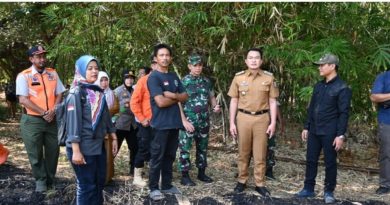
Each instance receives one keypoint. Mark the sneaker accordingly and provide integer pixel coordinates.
(156, 195)
(329, 198)
(304, 193)
(40, 186)
(172, 190)
(382, 190)
(240, 187)
(262, 191)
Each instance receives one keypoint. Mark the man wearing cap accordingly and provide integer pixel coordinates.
(325, 127)
(124, 120)
(253, 94)
(380, 94)
(195, 117)
(39, 90)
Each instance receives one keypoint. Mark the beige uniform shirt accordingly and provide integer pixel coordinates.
(253, 90)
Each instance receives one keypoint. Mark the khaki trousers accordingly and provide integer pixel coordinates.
(110, 159)
(252, 139)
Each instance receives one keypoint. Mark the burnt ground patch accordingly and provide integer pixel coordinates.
(17, 187)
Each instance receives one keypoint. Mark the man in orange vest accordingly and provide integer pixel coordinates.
(39, 90)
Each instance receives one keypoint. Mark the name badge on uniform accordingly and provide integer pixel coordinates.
(244, 83)
(166, 83)
(35, 81)
(50, 77)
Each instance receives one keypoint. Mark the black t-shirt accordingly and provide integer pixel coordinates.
(167, 117)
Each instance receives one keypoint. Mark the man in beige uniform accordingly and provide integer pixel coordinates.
(253, 94)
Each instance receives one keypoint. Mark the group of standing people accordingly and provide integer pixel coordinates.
(162, 113)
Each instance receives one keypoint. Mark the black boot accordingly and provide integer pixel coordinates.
(186, 180)
(269, 173)
(203, 177)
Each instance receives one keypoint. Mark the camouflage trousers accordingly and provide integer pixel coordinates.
(201, 138)
(270, 161)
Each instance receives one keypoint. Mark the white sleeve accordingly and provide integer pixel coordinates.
(60, 87)
(21, 85)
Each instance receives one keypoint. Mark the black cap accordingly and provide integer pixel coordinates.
(127, 74)
(35, 50)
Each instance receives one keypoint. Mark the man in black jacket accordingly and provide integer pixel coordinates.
(325, 126)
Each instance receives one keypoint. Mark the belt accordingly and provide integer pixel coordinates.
(253, 113)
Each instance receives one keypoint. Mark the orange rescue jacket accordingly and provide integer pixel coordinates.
(140, 100)
(41, 88)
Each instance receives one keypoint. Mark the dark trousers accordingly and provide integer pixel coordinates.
(163, 152)
(314, 145)
(90, 178)
(384, 155)
(131, 139)
(144, 137)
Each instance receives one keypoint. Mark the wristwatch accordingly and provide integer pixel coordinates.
(341, 137)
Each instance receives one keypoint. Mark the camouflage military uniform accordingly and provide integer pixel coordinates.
(271, 153)
(270, 161)
(196, 110)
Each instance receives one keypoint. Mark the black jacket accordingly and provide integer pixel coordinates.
(328, 111)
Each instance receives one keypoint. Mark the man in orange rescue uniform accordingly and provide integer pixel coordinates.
(140, 105)
(39, 90)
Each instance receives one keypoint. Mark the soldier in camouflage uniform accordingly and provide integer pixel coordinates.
(270, 161)
(195, 117)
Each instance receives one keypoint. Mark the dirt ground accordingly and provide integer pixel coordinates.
(354, 187)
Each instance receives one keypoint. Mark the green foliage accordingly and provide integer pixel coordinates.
(293, 35)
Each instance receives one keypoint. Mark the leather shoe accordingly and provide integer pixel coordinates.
(263, 191)
(382, 190)
(240, 187)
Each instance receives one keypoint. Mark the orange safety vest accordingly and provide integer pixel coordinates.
(41, 88)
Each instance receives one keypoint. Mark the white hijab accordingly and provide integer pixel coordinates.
(110, 97)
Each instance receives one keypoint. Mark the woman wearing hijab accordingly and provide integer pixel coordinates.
(103, 82)
(88, 121)
(125, 120)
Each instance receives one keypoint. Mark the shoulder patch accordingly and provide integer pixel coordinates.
(268, 73)
(240, 73)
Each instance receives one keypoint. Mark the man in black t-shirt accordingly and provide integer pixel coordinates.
(166, 91)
